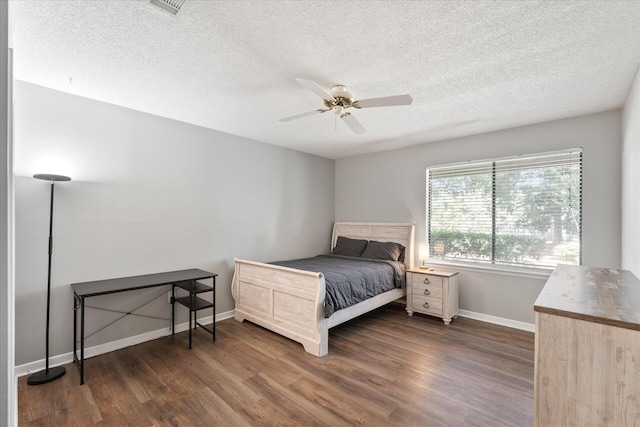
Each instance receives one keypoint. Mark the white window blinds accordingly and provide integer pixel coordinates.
(523, 211)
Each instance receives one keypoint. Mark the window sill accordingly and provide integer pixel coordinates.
(530, 273)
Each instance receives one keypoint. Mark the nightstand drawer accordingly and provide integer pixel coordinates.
(427, 305)
(433, 291)
(425, 279)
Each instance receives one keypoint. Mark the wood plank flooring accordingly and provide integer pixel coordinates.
(383, 369)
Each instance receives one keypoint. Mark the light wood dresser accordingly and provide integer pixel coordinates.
(433, 292)
(587, 348)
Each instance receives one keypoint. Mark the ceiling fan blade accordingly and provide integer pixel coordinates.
(315, 88)
(353, 123)
(299, 116)
(385, 101)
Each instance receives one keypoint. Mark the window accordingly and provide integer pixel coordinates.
(520, 211)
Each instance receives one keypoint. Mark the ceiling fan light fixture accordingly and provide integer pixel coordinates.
(341, 91)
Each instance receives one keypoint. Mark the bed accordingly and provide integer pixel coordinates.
(291, 301)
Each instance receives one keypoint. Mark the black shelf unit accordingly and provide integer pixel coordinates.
(194, 303)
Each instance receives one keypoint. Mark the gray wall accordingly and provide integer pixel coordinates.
(631, 180)
(390, 186)
(148, 195)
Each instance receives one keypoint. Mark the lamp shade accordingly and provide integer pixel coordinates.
(423, 251)
(51, 177)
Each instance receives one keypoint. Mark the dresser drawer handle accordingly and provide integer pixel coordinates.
(425, 305)
(426, 292)
(426, 281)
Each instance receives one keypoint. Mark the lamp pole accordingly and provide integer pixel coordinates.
(48, 374)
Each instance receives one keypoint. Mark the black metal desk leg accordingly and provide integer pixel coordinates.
(81, 340)
(190, 328)
(214, 309)
(75, 327)
(173, 309)
(191, 302)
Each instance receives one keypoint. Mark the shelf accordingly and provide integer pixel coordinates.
(199, 287)
(199, 303)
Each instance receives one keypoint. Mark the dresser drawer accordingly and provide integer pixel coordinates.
(427, 305)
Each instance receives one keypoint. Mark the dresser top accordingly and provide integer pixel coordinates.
(601, 295)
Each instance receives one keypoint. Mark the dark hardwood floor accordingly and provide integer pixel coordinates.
(383, 369)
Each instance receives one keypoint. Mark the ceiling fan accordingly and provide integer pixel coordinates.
(338, 99)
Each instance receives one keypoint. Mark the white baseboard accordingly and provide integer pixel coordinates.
(530, 327)
(96, 350)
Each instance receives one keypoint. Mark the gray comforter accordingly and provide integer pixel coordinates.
(350, 280)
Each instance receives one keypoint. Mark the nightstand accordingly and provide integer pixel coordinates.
(433, 292)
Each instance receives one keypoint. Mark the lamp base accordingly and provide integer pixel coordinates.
(43, 377)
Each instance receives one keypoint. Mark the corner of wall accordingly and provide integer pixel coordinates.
(630, 230)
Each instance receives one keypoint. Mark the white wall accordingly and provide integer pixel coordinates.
(8, 389)
(390, 186)
(148, 195)
(631, 180)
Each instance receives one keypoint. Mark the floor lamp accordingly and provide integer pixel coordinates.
(49, 374)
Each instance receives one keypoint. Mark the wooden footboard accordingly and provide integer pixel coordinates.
(284, 300)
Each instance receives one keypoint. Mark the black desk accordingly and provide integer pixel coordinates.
(185, 279)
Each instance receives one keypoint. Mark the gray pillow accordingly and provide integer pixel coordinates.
(383, 250)
(349, 247)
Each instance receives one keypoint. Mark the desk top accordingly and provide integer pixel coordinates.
(109, 286)
(600, 295)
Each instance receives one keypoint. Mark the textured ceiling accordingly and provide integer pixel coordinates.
(470, 66)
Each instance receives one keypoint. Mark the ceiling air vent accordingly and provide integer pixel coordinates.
(169, 6)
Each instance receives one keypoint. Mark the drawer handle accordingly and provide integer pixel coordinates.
(425, 305)
(426, 292)
(426, 281)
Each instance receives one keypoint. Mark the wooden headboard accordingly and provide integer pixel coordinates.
(402, 233)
